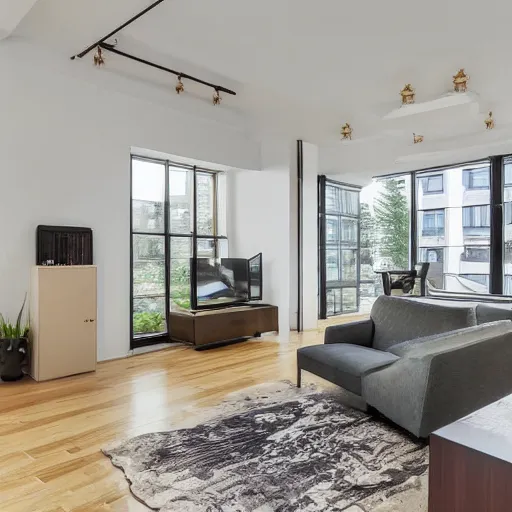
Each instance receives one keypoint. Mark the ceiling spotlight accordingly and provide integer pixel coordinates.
(98, 57)
(216, 97)
(179, 86)
(489, 122)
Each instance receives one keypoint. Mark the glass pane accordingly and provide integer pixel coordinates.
(148, 196)
(332, 265)
(148, 265)
(349, 232)
(330, 302)
(222, 229)
(181, 252)
(454, 230)
(149, 316)
(337, 301)
(205, 191)
(349, 265)
(507, 226)
(181, 202)
(205, 248)
(384, 234)
(332, 233)
(349, 300)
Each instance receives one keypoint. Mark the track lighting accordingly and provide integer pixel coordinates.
(98, 57)
(179, 86)
(216, 97)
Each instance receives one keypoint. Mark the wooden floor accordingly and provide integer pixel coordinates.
(51, 433)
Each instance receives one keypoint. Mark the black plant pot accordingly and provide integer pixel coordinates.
(13, 356)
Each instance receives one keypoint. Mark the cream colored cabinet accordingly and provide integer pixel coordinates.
(63, 321)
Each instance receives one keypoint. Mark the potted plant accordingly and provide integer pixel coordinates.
(13, 347)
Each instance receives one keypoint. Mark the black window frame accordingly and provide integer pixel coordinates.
(342, 246)
(142, 340)
(496, 203)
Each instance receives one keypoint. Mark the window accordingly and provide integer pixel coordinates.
(339, 239)
(433, 223)
(162, 247)
(476, 216)
(477, 278)
(507, 173)
(431, 255)
(476, 179)
(432, 184)
(481, 254)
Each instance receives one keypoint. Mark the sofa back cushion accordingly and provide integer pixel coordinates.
(398, 319)
(486, 313)
(452, 339)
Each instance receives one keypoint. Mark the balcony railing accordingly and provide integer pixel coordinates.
(439, 231)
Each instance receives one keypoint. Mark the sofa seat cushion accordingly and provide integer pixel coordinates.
(343, 364)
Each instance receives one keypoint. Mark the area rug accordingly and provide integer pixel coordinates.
(278, 449)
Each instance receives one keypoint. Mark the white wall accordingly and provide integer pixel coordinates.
(259, 221)
(263, 218)
(65, 139)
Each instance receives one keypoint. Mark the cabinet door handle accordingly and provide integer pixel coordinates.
(91, 320)
(86, 320)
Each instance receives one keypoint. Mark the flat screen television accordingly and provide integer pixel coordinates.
(222, 283)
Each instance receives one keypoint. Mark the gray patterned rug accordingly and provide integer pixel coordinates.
(286, 450)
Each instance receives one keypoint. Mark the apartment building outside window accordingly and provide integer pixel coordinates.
(433, 223)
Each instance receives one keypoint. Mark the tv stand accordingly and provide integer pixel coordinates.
(218, 326)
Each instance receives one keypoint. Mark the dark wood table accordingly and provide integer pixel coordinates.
(471, 462)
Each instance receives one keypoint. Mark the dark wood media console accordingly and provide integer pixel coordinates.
(216, 326)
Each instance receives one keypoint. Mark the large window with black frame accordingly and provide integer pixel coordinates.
(339, 248)
(457, 218)
(164, 207)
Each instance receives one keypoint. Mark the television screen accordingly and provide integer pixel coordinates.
(222, 283)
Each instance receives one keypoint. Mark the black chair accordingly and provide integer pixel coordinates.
(405, 280)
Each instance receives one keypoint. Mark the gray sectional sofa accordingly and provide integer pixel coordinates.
(422, 365)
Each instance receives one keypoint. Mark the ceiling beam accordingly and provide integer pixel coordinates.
(11, 14)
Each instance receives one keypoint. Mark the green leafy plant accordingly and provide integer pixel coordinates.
(148, 322)
(14, 331)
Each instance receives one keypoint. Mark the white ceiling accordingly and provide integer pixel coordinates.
(304, 67)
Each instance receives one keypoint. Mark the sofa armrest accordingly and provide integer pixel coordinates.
(356, 333)
(439, 383)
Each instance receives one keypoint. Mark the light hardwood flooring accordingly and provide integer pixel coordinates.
(51, 433)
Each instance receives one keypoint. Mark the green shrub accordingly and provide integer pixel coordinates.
(14, 331)
(148, 322)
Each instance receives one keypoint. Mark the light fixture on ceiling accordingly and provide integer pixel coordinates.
(489, 122)
(408, 93)
(417, 139)
(179, 86)
(346, 132)
(460, 81)
(216, 97)
(102, 45)
(98, 57)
